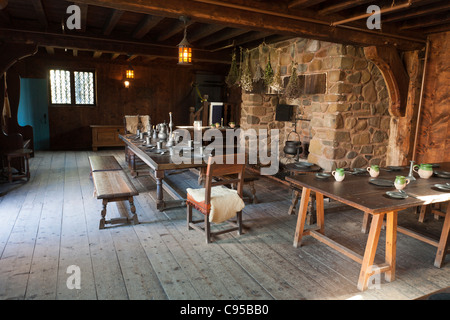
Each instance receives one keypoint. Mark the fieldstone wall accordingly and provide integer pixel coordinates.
(347, 126)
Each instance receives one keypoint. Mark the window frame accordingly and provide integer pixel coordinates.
(72, 87)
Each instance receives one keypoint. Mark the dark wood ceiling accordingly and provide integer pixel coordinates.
(146, 30)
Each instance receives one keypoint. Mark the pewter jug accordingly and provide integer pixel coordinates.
(162, 131)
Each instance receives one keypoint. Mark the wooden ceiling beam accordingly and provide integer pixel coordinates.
(342, 6)
(176, 27)
(222, 36)
(437, 29)
(115, 56)
(204, 32)
(424, 23)
(40, 12)
(132, 57)
(420, 12)
(252, 36)
(90, 42)
(84, 13)
(97, 54)
(113, 19)
(145, 25)
(303, 3)
(279, 21)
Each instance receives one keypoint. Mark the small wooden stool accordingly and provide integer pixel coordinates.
(23, 155)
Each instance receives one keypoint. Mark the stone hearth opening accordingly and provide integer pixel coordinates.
(346, 125)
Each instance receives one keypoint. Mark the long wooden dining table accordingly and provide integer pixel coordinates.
(357, 191)
(159, 164)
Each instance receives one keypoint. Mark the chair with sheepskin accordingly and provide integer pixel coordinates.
(216, 202)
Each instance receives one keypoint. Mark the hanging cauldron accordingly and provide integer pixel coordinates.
(293, 147)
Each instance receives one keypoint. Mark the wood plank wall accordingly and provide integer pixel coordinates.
(158, 88)
(433, 143)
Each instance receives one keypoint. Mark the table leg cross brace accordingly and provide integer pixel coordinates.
(368, 269)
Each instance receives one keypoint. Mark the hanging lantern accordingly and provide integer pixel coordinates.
(129, 74)
(184, 48)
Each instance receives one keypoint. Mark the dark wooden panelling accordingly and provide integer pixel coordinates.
(433, 140)
(157, 90)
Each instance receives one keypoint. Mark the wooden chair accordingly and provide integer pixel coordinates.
(132, 122)
(16, 141)
(215, 201)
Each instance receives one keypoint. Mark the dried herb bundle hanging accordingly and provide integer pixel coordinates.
(268, 73)
(292, 90)
(246, 82)
(258, 73)
(233, 76)
(277, 83)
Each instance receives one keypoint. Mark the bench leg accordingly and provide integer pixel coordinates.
(102, 220)
(133, 210)
(132, 207)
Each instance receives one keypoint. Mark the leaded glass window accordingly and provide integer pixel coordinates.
(72, 87)
(84, 87)
(60, 87)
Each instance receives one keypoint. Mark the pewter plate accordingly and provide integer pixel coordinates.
(396, 194)
(381, 182)
(442, 174)
(322, 175)
(444, 187)
(304, 164)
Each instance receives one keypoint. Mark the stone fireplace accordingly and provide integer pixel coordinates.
(346, 125)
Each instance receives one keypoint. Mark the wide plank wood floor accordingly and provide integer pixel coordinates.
(51, 223)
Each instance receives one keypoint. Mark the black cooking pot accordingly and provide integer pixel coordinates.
(293, 147)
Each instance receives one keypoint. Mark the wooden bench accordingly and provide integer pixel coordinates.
(104, 163)
(112, 186)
